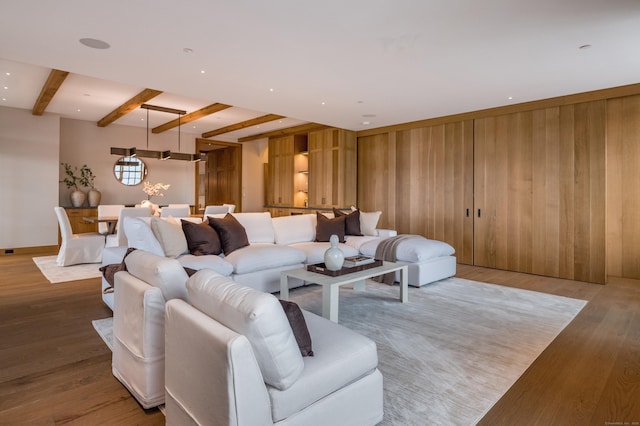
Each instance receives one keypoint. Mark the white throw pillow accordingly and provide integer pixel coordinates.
(256, 315)
(258, 226)
(170, 236)
(140, 236)
(368, 222)
(294, 229)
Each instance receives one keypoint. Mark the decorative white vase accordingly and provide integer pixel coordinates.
(333, 257)
(94, 197)
(77, 198)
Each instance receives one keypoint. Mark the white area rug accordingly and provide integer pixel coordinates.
(453, 350)
(58, 274)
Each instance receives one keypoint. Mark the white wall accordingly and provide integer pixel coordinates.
(83, 142)
(29, 174)
(254, 156)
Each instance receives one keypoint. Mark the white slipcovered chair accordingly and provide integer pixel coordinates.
(175, 211)
(231, 358)
(138, 322)
(77, 248)
(231, 207)
(107, 210)
(217, 210)
(120, 238)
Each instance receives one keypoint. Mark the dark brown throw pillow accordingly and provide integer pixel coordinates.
(327, 227)
(351, 221)
(232, 234)
(201, 238)
(109, 271)
(299, 326)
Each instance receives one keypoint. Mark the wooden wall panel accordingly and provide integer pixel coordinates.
(432, 184)
(539, 185)
(623, 187)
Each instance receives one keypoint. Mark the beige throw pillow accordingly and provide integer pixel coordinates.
(368, 222)
(170, 236)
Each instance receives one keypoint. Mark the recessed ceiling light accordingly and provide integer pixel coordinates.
(510, 97)
(95, 43)
(78, 110)
(6, 88)
(322, 103)
(4, 99)
(366, 123)
(8, 73)
(271, 89)
(584, 46)
(202, 71)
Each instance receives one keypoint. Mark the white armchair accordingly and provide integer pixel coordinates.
(77, 248)
(232, 359)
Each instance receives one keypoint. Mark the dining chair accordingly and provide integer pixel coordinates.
(215, 210)
(120, 238)
(107, 210)
(77, 248)
(232, 207)
(175, 211)
(180, 205)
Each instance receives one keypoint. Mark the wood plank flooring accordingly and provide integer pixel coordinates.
(55, 369)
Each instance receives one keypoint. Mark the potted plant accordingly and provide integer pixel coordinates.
(71, 180)
(87, 179)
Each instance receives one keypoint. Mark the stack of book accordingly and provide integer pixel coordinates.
(350, 262)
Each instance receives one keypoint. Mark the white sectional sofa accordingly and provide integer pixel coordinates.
(274, 245)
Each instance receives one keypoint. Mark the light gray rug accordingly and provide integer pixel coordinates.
(58, 274)
(453, 350)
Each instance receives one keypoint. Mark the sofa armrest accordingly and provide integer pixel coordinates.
(387, 233)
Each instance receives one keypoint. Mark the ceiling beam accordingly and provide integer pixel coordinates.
(51, 86)
(242, 125)
(128, 106)
(195, 115)
(303, 128)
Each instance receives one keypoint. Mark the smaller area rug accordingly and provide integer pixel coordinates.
(104, 327)
(59, 274)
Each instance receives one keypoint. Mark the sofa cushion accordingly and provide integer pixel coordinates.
(258, 226)
(209, 261)
(327, 227)
(170, 236)
(140, 236)
(341, 356)
(298, 326)
(357, 241)
(413, 250)
(258, 257)
(232, 234)
(201, 238)
(315, 251)
(351, 221)
(158, 271)
(256, 315)
(368, 222)
(293, 229)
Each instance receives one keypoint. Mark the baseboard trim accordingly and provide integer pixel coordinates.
(28, 250)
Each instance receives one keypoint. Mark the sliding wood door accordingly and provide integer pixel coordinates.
(539, 192)
(623, 187)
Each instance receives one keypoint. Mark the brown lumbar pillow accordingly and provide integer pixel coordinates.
(327, 227)
(201, 238)
(232, 234)
(351, 221)
(299, 327)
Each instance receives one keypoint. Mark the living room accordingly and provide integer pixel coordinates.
(443, 175)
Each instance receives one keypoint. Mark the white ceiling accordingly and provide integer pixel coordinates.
(340, 63)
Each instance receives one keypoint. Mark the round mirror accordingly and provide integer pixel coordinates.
(130, 171)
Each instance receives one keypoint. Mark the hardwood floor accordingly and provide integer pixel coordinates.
(55, 369)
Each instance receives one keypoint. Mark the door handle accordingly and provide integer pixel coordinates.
(478, 212)
(467, 212)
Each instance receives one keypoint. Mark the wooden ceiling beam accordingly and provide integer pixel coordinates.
(303, 128)
(195, 115)
(51, 86)
(128, 106)
(242, 125)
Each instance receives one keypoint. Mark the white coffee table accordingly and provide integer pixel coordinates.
(330, 285)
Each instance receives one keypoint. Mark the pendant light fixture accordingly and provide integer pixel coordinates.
(159, 155)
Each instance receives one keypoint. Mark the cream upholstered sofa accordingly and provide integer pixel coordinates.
(277, 244)
(232, 359)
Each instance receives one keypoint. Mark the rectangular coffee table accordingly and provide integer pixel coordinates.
(330, 285)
